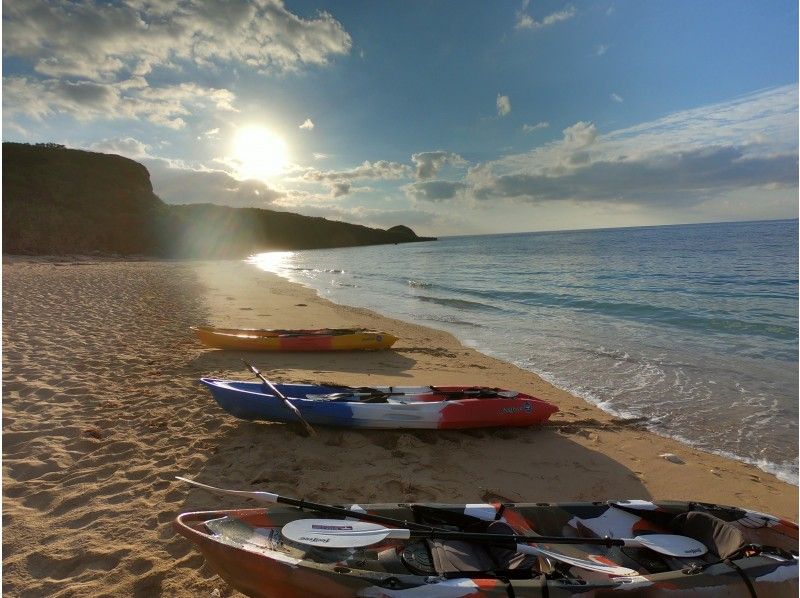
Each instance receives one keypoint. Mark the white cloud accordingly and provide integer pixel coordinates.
(525, 21)
(380, 169)
(181, 184)
(580, 135)
(680, 178)
(340, 182)
(105, 41)
(434, 190)
(617, 98)
(133, 58)
(429, 163)
(84, 100)
(340, 188)
(503, 105)
(536, 127)
(684, 158)
(601, 49)
(307, 125)
(127, 146)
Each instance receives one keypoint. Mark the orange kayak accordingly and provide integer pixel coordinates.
(323, 339)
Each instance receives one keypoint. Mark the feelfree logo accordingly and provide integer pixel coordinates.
(524, 408)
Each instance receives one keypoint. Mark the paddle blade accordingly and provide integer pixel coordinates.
(672, 545)
(608, 568)
(339, 533)
(256, 495)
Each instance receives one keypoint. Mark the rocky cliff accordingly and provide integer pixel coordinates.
(60, 201)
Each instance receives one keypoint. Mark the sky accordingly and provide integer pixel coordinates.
(451, 117)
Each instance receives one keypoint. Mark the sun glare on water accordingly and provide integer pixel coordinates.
(271, 261)
(258, 152)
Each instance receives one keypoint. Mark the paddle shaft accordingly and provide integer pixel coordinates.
(509, 538)
(405, 533)
(268, 497)
(412, 528)
(281, 396)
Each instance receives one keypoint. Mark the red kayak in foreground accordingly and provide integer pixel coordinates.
(600, 549)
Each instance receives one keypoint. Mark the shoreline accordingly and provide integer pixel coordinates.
(767, 467)
(578, 417)
(102, 409)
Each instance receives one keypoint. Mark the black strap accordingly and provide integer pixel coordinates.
(747, 581)
(500, 511)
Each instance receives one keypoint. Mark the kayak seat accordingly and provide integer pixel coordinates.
(453, 556)
(722, 539)
(474, 392)
(349, 397)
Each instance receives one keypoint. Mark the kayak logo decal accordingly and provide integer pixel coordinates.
(314, 540)
(524, 408)
(336, 528)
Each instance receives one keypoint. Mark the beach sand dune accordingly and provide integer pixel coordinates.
(101, 409)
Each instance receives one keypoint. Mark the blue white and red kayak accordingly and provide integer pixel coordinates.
(388, 407)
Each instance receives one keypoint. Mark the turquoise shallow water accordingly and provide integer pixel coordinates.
(694, 327)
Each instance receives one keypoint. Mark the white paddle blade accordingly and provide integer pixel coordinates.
(340, 533)
(671, 545)
(258, 495)
(589, 565)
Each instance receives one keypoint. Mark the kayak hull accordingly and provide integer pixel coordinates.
(406, 408)
(246, 548)
(246, 339)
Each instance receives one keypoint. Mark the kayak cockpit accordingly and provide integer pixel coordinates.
(742, 547)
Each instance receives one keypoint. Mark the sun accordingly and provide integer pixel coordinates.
(258, 153)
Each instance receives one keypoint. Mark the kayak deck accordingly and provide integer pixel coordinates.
(422, 407)
(248, 550)
(324, 339)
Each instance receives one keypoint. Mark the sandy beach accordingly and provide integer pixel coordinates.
(101, 409)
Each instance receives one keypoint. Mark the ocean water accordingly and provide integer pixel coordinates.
(693, 327)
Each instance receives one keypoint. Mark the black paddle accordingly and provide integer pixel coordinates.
(306, 426)
(269, 497)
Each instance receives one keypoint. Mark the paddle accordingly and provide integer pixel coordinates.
(360, 395)
(306, 426)
(364, 394)
(268, 497)
(354, 534)
(478, 392)
(335, 533)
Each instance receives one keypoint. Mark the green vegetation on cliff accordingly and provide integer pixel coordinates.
(64, 201)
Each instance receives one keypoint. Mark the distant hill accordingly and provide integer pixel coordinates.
(64, 201)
